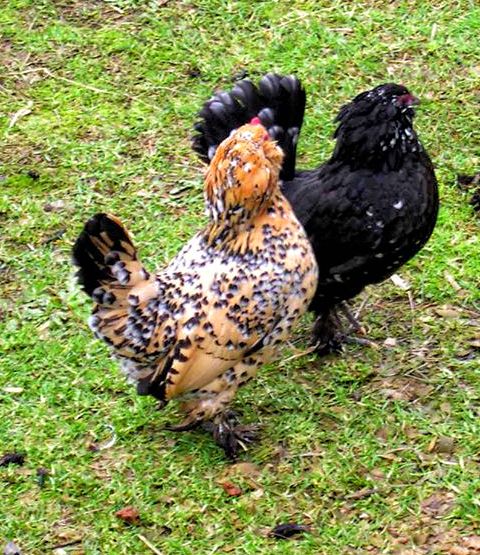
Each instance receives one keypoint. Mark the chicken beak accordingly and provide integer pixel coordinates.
(414, 101)
(408, 100)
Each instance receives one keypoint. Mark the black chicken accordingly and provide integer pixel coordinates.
(368, 210)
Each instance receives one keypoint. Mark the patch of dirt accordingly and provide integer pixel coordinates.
(399, 388)
(438, 504)
(22, 155)
(408, 374)
(66, 533)
(428, 533)
(109, 462)
(437, 541)
(20, 67)
(92, 14)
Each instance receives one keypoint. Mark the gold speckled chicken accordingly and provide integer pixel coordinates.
(201, 327)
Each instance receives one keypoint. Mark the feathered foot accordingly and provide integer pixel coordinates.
(229, 435)
(327, 334)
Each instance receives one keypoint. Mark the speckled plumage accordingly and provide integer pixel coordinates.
(202, 326)
(367, 210)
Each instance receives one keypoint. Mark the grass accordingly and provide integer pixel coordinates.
(377, 450)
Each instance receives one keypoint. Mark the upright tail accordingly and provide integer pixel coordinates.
(279, 102)
(107, 262)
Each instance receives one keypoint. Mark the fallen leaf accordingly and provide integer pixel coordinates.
(394, 394)
(403, 389)
(54, 206)
(231, 489)
(447, 312)
(285, 531)
(400, 282)
(376, 474)
(14, 390)
(473, 542)
(446, 407)
(452, 281)
(12, 549)
(257, 493)
(420, 538)
(244, 469)
(129, 514)
(20, 114)
(438, 504)
(382, 434)
(390, 342)
(442, 444)
(12, 458)
(411, 432)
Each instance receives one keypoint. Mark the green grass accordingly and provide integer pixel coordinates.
(111, 102)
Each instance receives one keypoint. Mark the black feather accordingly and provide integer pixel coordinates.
(279, 102)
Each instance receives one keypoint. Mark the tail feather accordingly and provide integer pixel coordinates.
(108, 269)
(107, 262)
(284, 100)
(279, 102)
(220, 115)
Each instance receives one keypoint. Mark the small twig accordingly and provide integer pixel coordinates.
(117, 9)
(67, 544)
(24, 71)
(46, 71)
(299, 354)
(309, 454)
(54, 237)
(359, 310)
(25, 61)
(32, 23)
(411, 301)
(149, 545)
(361, 341)
(292, 19)
(25, 111)
(361, 494)
(72, 82)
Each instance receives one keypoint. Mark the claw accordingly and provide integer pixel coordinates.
(232, 437)
(362, 341)
(329, 333)
(356, 325)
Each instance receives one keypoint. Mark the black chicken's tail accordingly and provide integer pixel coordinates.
(279, 102)
(107, 261)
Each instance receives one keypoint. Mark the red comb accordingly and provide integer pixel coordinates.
(255, 121)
